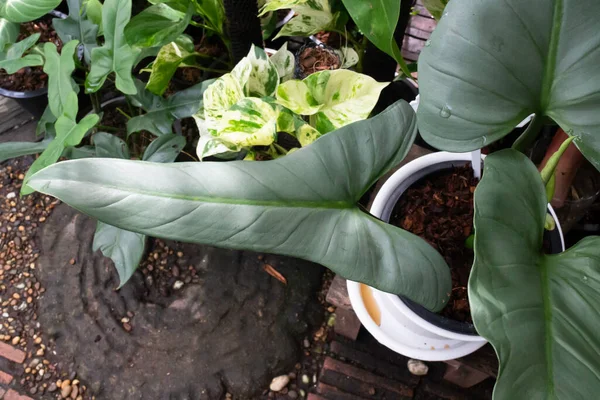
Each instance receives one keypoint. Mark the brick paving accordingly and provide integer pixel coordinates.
(13, 355)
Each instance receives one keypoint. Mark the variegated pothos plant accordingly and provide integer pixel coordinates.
(249, 106)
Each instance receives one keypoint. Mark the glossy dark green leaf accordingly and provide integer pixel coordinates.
(10, 150)
(78, 27)
(115, 55)
(161, 112)
(303, 205)
(157, 25)
(489, 64)
(164, 149)
(68, 133)
(124, 248)
(540, 312)
(9, 32)
(26, 10)
(59, 69)
(213, 12)
(110, 146)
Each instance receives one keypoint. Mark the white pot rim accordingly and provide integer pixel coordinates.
(391, 304)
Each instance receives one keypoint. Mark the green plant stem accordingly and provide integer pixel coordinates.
(280, 149)
(204, 26)
(361, 54)
(347, 36)
(95, 103)
(528, 137)
(123, 113)
(219, 71)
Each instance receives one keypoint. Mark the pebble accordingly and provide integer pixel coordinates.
(52, 388)
(417, 367)
(305, 379)
(11, 195)
(278, 383)
(15, 340)
(306, 343)
(177, 285)
(65, 391)
(74, 392)
(292, 394)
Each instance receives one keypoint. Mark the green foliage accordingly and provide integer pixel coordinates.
(164, 149)
(157, 25)
(9, 32)
(435, 7)
(170, 57)
(26, 10)
(303, 205)
(78, 27)
(13, 58)
(161, 112)
(538, 311)
(110, 146)
(515, 59)
(115, 55)
(313, 16)
(59, 69)
(10, 150)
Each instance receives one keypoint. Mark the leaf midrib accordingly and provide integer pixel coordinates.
(545, 282)
(326, 205)
(550, 68)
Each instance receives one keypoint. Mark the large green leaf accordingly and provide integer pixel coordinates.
(10, 150)
(68, 133)
(123, 247)
(540, 312)
(110, 146)
(161, 112)
(213, 13)
(93, 9)
(302, 205)
(13, 59)
(9, 32)
(115, 55)
(77, 27)
(26, 10)
(59, 69)
(157, 25)
(313, 16)
(335, 98)
(491, 63)
(164, 149)
(169, 58)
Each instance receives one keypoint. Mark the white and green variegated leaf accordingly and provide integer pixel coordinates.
(264, 78)
(77, 26)
(274, 5)
(284, 61)
(9, 32)
(123, 247)
(115, 55)
(334, 98)
(218, 98)
(250, 122)
(26, 10)
(306, 134)
(169, 58)
(209, 145)
(14, 59)
(59, 69)
(313, 16)
(349, 56)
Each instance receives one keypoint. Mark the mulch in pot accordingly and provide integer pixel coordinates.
(439, 209)
(32, 78)
(313, 59)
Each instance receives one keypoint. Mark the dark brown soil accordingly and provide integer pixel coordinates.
(331, 39)
(439, 209)
(214, 50)
(31, 78)
(315, 59)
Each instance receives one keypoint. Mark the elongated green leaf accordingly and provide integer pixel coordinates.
(93, 9)
(9, 32)
(124, 248)
(164, 149)
(115, 55)
(26, 10)
(161, 112)
(77, 27)
(157, 25)
(336, 98)
(435, 7)
(17, 149)
(68, 133)
(169, 58)
(213, 12)
(539, 311)
(516, 58)
(110, 146)
(302, 205)
(13, 59)
(46, 123)
(60, 83)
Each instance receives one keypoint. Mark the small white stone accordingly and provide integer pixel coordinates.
(278, 383)
(11, 195)
(177, 285)
(417, 367)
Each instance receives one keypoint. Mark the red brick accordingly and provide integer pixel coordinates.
(9, 352)
(359, 381)
(5, 378)
(12, 395)
(463, 375)
(2, 391)
(312, 396)
(346, 323)
(338, 293)
(335, 393)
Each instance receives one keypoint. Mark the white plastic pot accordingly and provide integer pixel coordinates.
(403, 327)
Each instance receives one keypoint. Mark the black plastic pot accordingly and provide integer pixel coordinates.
(34, 102)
